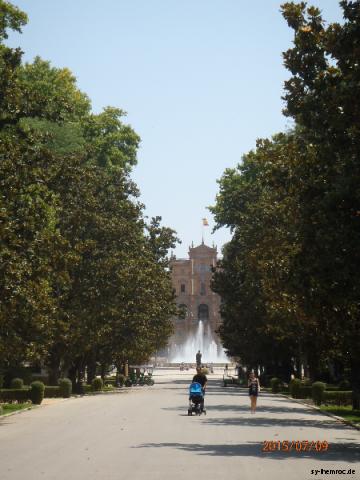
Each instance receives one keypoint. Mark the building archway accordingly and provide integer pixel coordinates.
(203, 312)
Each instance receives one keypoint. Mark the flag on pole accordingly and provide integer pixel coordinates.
(205, 222)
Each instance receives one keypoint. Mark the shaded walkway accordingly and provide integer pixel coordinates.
(146, 434)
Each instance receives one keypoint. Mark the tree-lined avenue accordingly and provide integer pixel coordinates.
(145, 433)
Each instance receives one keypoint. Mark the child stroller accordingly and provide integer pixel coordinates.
(196, 399)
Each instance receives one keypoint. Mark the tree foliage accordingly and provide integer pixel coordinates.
(293, 206)
(84, 280)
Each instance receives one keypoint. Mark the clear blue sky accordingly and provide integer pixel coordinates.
(201, 80)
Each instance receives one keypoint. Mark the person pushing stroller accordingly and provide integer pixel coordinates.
(199, 379)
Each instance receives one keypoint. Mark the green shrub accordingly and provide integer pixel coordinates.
(1, 410)
(9, 395)
(276, 384)
(344, 385)
(17, 372)
(52, 392)
(97, 384)
(121, 379)
(87, 389)
(318, 389)
(108, 388)
(1, 381)
(338, 397)
(294, 387)
(110, 381)
(332, 388)
(305, 391)
(65, 386)
(17, 383)
(37, 390)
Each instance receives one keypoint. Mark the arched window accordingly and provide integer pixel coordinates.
(203, 312)
(182, 288)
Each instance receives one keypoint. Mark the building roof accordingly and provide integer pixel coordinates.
(202, 248)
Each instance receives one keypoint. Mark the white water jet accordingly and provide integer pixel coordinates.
(202, 340)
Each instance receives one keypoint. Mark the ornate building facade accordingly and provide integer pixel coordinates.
(191, 280)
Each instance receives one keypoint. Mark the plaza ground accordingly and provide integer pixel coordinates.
(144, 433)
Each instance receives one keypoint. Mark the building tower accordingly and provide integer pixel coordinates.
(191, 280)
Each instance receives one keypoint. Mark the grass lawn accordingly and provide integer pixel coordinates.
(345, 412)
(13, 407)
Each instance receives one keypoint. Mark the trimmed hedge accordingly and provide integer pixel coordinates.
(294, 387)
(110, 381)
(97, 384)
(52, 392)
(65, 386)
(318, 389)
(37, 390)
(108, 388)
(338, 398)
(17, 372)
(87, 389)
(305, 391)
(332, 388)
(17, 383)
(9, 395)
(344, 385)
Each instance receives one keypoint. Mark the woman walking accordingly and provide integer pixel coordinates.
(254, 389)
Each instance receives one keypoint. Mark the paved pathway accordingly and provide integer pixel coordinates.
(145, 434)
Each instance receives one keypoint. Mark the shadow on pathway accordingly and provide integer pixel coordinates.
(345, 452)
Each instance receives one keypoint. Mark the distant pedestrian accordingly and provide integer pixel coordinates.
(254, 389)
(198, 359)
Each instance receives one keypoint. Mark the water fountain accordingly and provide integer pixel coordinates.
(202, 339)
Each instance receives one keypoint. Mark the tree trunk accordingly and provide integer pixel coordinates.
(91, 368)
(314, 364)
(355, 380)
(72, 373)
(76, 375)
(54, 369)
(103, 370)
(80, 377)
